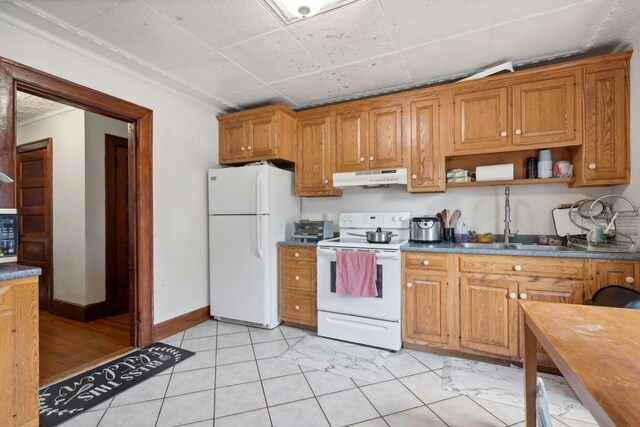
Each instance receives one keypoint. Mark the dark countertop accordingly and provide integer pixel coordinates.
(16, 271)
(299, 244)
(565, 252)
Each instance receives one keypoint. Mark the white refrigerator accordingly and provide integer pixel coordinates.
(250, 209)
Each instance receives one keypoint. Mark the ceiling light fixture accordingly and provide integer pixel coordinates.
(304, 8)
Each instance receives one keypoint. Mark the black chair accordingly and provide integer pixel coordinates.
(616, 296)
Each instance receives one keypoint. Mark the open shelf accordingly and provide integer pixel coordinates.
(514, 182)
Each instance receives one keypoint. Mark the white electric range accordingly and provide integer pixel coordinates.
(373, 321)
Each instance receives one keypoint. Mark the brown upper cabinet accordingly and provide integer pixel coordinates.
(537, 111)
(368, 137)
(267, 133)
(314, 176)
(426, 171)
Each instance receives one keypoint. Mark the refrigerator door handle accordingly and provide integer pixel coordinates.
(259, 186)
(259, 236)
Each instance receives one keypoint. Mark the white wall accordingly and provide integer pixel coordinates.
(96, 126)
(184, 146)
(67, 132)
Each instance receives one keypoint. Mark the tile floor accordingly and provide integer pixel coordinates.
(236, 379)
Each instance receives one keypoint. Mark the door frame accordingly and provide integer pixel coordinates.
(47, 144)
(15, 76)
(111, 142)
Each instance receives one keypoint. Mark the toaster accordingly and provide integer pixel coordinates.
(306, 230)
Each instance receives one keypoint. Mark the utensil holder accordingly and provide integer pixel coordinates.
(449, 235)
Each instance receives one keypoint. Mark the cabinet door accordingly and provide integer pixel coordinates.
(425, 308)
(621, 273)
(426, 161)
(233, 139)
(546, 111)
(385, 137)
(313, 171)
(548, 292)
(481, 120)
(606, 144)
(488, 315)
(261, 142)
(351, 141)
(8, 377)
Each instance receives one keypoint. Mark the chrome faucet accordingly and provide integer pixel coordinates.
(507, 217)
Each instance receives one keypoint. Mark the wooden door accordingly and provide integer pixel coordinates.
(261, 141)
(481, 120)
(35, 213)
(8, 377)
(548, 292)
(425, 308)
(427, 164)
(606, 144)
(488, 315)
(621, 273)
(313, 168)
(385, 136)
(117, 224)
(351, 141)
(546, 111)
(233, 141)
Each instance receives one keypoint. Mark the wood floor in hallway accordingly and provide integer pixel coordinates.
(66, 345)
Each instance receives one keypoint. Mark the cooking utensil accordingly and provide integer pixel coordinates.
(454, 218)
(377, 236)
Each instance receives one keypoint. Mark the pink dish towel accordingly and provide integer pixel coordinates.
(356, 274)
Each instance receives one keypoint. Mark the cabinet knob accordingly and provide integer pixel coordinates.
(517, 267)
(296, 254)
(414, 176)
(297, 307)
(249, 148)
(326, 181)
(361, 159)
(592, 166)
(370, 157)
(297, 277)
(518, 131)
(425, 262)
(503, 133)
(523, 296)
(629, 279)
(241, 148)
(409, 285)
(512, 295)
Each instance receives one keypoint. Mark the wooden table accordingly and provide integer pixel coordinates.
(597, 349)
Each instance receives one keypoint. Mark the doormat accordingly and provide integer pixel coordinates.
(342, 358)
(74, 395)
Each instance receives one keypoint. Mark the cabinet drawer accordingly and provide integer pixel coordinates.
(298, 307)
(6, 301)
(299, 277)
(425, 261)
(299, 254)
(538, 267)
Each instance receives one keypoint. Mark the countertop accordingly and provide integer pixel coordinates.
(565, 252)
(299, 244)
(16, 271)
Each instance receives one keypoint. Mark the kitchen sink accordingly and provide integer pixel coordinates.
(511, 246)
(542, 248)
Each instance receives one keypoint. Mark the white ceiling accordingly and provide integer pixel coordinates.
(232, 54)
(29, 107)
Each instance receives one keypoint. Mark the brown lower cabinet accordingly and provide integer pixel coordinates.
(19, 359)
(298, 285)
(469, 303)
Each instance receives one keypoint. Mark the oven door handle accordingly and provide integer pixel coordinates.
(379, 255)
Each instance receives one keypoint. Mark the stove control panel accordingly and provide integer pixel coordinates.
(384, 220)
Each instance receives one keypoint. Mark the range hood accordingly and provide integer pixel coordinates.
(375, 178)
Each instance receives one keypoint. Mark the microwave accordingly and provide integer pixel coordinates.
(8, 235)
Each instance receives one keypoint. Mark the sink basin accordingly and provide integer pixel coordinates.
(542, 248)
(496, 246)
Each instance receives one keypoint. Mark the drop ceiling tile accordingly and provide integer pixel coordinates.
(346, 35)
(257, 97)
(415, 22)
(272, 57)
(463, 54)
(74, 12)
(511, 10)
(384, 72)
(219, 23)
(311, 89)
(134, 27)
(214, 74)
(545, 35)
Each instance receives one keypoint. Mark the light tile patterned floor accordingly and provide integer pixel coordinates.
(236, 380)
